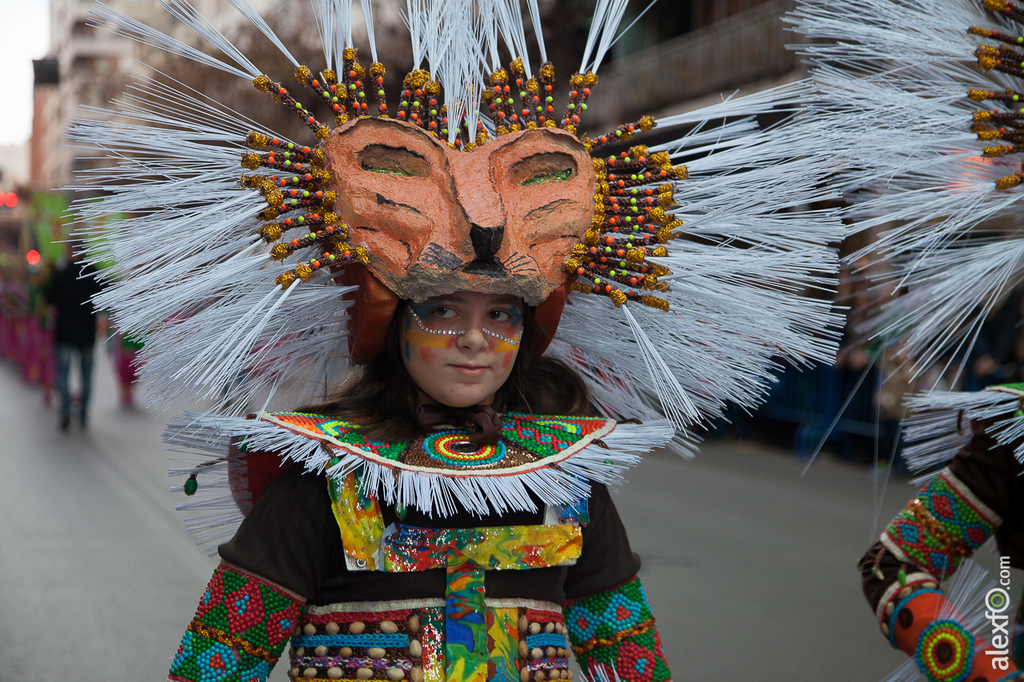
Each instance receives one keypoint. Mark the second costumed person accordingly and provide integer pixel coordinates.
(454, 284)
(923, 103)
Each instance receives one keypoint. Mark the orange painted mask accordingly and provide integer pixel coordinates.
(435, 220)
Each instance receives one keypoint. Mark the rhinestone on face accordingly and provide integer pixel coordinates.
(460, 332)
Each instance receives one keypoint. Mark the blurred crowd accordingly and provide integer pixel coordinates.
(49, 329)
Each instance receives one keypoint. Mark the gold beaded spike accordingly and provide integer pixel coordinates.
(1008, 58)
(629, 225)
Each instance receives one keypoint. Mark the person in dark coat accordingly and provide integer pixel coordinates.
(70, 293)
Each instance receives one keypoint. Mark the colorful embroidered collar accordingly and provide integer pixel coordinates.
(528, 442)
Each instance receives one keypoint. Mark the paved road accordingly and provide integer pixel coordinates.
(749, 568)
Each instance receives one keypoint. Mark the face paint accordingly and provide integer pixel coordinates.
(467, 343)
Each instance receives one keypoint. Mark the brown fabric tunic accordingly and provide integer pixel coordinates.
(291, 538)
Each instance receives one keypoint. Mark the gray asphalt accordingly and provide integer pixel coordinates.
(749, 568)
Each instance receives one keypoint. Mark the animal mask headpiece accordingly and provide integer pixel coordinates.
(471, 177)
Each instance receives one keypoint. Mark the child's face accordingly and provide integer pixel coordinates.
(460, 348)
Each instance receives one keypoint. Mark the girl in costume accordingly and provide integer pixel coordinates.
(930, 139)
(454, 284)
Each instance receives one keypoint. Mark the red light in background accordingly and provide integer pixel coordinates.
(32, 257)
(10, 199)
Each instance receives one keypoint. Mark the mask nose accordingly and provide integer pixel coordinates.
(485, 213)
(486, 240)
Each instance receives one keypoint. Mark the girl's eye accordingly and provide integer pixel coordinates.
(500, 315)
(442, 312)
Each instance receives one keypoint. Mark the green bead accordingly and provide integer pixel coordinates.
(291, 146)
(549, 99)
(571, 106)
(305, 195)
(583, 107)
(877, 572)
(302, 219)
(191, 485)
(380, 92)
(902, 575)
(362, 94)
(400, 512)
(1018, 414)
(1015, 98)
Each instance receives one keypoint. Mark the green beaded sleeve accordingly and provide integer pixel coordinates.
(239, 631)
(613, 634)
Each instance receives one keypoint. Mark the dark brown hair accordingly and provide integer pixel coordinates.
(382, 396)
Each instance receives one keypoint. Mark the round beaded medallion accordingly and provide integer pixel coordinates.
(454, 450)
(944, 651)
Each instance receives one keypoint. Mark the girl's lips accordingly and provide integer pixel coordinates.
(471, 370)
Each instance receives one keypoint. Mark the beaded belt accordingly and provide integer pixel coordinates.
(523, 641)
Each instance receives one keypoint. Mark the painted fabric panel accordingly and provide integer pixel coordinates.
(941, 526)
(613, 634)
(239, 630)
(465, 623)
(499, 547)
(526, 440)
(359, 520)
(405, 640)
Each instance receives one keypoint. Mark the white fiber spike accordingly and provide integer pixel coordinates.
(367, 6)
(413, 18)
(123, 25)
(632, 23)
(259, 22)
(538, 30)
(324, 16)
(342, 27)
(607, 16)
(674, 400)
(510, 24)
(188, 15)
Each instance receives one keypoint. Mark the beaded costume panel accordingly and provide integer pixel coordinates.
(406, 640)
(239, 630)
(614, 632)
(528, 442)
(941, 526)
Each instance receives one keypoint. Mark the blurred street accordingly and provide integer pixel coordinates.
(749, 568)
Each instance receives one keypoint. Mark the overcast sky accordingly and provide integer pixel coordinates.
(24, 36)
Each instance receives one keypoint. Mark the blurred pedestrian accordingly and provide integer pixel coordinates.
(70, 293)
(124, 350)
